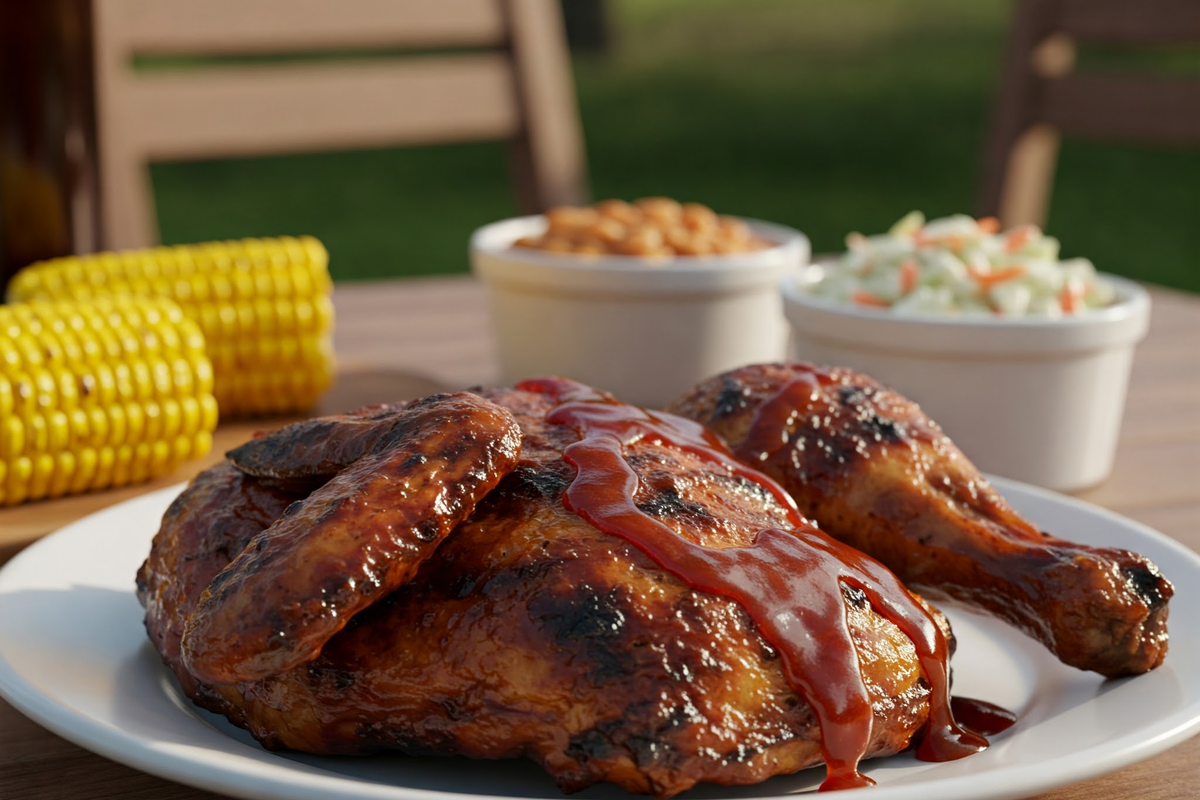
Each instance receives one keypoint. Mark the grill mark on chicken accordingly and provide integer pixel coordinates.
(594, 744)
(588, 621)
(731, 399)
(854, 595)
(666, 503)
(535, 482)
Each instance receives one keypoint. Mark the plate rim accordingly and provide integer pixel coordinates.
(118, 745)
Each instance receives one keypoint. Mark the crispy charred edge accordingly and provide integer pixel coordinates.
(306, 454)
(1127, 638)
(203, 529)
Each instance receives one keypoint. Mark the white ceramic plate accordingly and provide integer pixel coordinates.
(74, 657)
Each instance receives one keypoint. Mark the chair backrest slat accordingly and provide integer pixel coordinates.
(265, 26)
(1140, 22)
(1133, 109)
(260, 110)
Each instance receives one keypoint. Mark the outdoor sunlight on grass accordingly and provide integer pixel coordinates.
(827, 117)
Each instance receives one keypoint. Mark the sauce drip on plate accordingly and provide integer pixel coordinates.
(981, 716)
(790, 582)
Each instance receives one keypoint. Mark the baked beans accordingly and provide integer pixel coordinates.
(654, 228)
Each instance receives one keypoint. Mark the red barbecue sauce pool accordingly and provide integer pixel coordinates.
(981, 716)
(790, 582)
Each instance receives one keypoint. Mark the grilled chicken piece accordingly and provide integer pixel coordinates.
(876, 473)
(406, 478)
(202, 531)
(306, 454)
(531, 633)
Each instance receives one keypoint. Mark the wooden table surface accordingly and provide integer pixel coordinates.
(403, 339)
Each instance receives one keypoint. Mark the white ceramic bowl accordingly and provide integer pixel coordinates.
(1036, 400)
(645, 333)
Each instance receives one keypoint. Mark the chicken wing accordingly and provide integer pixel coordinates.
(405, 483)
(876, 473)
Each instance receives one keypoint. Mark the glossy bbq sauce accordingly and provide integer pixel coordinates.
(768, 433)
(789, 582)
(981, 716)
(804, 395)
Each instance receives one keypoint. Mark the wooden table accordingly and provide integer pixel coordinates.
(404, 339)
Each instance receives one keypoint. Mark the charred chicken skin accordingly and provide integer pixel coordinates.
(877, 474)
(532, 630)
(398, 483)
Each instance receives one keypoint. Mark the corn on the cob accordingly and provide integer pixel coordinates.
(99, 394)
(263, 305)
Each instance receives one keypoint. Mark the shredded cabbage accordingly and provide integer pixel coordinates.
(961, 266)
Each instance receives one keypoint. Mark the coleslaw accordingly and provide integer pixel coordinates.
(961, 265)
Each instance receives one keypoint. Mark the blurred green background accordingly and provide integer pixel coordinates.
(829, 117)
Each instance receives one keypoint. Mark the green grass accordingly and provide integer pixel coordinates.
(827, 116)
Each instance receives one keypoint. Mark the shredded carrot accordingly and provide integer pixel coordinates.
(987, 280)
(864, 298)
(988, 225)
(909, 272)
(1068, 300)
(1019, 237)
(951, 240)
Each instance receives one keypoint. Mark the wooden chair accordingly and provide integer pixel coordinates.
(1043, 98)
(514, 84)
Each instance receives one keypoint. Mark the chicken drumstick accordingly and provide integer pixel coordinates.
(876, 473)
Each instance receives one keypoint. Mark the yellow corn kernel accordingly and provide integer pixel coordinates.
(12, 438)
(6, 397)
(139, 469)
(92, 394)
(81, 429)
(105, 456)
(118, 425)
(20, 470)
(39, 480)
(85, 471)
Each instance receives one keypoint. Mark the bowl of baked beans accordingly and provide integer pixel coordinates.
(642, 299)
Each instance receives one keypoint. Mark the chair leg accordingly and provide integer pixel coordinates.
(548, 162)
(521, 176)
(1013, 110)
(1029, 177)
(128, 217)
